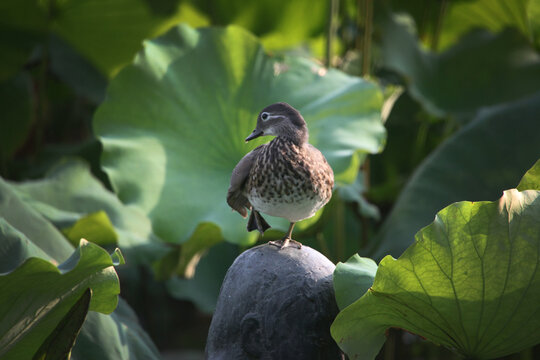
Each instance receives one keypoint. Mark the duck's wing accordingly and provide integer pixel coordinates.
(236, 197)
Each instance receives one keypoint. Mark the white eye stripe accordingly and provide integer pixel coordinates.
(266, 116)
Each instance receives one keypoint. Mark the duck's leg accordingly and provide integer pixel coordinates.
(287, 240)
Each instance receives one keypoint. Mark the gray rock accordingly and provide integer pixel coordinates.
(275, 304)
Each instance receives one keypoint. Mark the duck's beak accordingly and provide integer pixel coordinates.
(255, 134)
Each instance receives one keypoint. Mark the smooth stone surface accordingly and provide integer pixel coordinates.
(275, 304)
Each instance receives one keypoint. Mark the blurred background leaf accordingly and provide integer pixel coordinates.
(274, 22)
(352, 279)
(115, 336)
(441, 24)
(96, 227)
(483, 69)
(16, 115)
(70, 198)
(75, 70)
(108, 33)
(203, 288)
(479, 161)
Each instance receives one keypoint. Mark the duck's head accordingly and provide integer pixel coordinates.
(281, 120)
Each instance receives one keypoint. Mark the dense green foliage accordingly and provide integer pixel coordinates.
(121, 121)
(47, 293)
(470, 282)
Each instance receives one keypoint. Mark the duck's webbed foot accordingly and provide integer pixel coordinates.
(286, 242)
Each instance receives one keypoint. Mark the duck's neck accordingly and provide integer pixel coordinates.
(299, 136)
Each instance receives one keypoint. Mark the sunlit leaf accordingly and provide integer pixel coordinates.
(459, 17)
(95, 227)
(531, 179)
(283, 31)
(494, 15)
(471, 282)
(533, 15)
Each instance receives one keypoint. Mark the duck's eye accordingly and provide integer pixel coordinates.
(265, 116)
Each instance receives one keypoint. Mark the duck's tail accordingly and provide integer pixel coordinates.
(257, 222)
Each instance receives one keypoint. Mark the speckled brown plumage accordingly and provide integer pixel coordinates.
(286, 178)
(289, 180)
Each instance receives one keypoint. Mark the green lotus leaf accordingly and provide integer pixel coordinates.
(352, 279)
(45, 293)
(174, 123)
(59, 343)
(470, 282)
(25, 233)
(490, 153)
(95, 227)
(531, 179)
